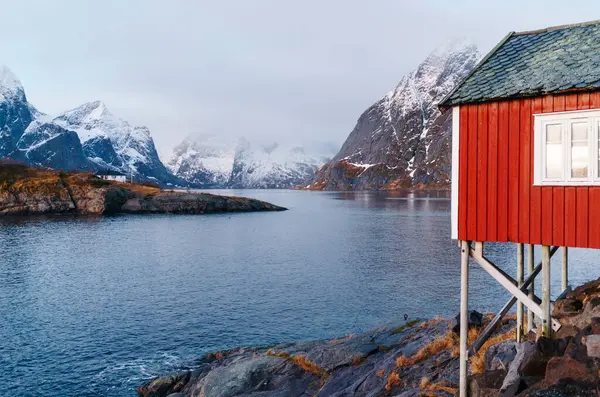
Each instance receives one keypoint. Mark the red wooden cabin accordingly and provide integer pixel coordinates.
(526, 159)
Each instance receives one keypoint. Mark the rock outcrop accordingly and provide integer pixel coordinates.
(403, 140)
(26, 191)
(415, 359)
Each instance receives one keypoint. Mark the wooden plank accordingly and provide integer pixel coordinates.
(464, 318)
(595, 100)
(571, 103)
(506, 282)
(502, 172)
(583, 100)
(492, 209)
(570, 215)
(526, 172)
(594, 223)
(463, 171)
(535, 208)
(482, 171)
(547, 192)
(491, 327)
(513, 171)
(581, 228)
(547, 212)
(472, 188)
(558, 213)
(546, 329)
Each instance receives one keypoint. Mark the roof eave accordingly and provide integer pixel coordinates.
(443, 105)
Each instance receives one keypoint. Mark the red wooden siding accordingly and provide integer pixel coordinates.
(497, 199)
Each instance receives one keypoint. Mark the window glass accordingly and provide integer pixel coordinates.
(579, 150)
(554, 152)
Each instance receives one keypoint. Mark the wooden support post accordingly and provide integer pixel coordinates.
(464, 316)
(546, 328)
(492, 326)
(565, 268)
(530, 253)
(520, 277)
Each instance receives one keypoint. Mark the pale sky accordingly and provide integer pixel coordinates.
(270, 69)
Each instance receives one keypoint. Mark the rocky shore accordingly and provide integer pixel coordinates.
(28, 191)
(418, 358)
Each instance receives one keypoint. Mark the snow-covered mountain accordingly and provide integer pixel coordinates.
(88, 137)
(211, 162)
(205, 161)
(403, 140)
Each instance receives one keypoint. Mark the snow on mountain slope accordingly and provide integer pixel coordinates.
(111, 142)
(403, 140)
(210, 161)
(203, 161)
(15, 112)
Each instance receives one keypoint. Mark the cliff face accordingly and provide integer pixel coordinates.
(403, 140)
(26, 191)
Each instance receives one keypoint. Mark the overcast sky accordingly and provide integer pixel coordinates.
(288, 70)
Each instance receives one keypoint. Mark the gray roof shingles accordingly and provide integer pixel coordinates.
(535, 63)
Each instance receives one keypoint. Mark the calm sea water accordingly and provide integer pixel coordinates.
(95, 306)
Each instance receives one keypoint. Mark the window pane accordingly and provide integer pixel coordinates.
(553, 133)
(579, 150)
(554, 152)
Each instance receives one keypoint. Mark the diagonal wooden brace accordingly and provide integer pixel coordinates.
(505, 309)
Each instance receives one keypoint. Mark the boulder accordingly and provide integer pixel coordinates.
(164, 385)
(475, 320)
(500, 355)
(592, 344)
(486, 384)
(563, 368)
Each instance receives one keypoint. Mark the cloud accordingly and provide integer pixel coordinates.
(263, 68)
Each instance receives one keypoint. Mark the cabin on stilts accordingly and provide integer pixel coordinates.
(526, 165)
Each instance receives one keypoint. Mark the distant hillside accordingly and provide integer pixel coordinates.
(403, 140)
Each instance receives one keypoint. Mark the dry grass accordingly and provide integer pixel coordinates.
(444, 386)
(302, 362)
(434, 321)
(442, 343)
(381, 372)
(478, 360)
(392, 381)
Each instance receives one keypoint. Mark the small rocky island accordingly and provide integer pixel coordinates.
(30, 191)
(418, 358)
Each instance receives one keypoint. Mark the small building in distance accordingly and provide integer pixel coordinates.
(109, 175)
(526, 164)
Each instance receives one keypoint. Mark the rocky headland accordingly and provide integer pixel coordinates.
(418, 358)
(30, 191)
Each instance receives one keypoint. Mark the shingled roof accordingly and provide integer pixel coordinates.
(552, 60)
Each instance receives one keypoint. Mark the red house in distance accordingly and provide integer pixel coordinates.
(526, 162)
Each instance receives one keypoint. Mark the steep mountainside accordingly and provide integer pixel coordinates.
(403, 140)
(87, 138)
(211, 162)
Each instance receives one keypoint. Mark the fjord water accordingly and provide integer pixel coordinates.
(95, 306)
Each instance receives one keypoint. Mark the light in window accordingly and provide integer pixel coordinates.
(579, 150)
(554, 157)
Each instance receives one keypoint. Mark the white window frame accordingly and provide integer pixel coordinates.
(566, 119)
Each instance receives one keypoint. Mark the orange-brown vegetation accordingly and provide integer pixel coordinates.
(444, 385)
(392, 381)
(478, 360)
(302, 362)
(380, 372)
(215, 356)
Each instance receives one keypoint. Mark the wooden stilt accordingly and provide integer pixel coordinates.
(520, 278)
(546, 328)
(492, 326)
(464, 316)
(530, 252)
(565, 268)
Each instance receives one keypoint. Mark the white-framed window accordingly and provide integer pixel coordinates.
(567, 148)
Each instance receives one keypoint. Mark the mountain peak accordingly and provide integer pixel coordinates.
(10, 85)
